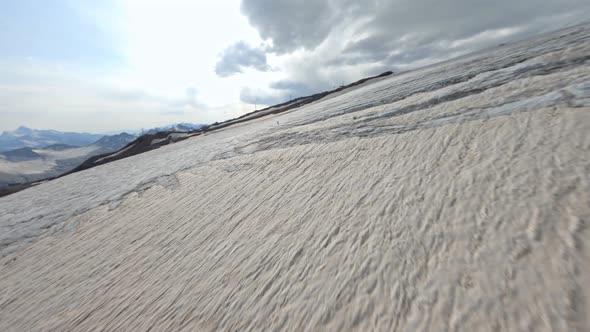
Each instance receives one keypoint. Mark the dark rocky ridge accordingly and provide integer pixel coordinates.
(145, 142)
(151, 141)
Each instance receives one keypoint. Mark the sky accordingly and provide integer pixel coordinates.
(109, 65)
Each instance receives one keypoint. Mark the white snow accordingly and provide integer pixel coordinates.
(453, 197)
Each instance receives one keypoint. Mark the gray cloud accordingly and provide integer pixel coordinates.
(401, 25)
(239, 56)
(404, 33)
(259, 97)
(279, 92)
(344, 40)
(293, 89)
(291, 24)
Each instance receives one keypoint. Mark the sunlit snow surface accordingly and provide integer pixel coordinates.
(454, 197)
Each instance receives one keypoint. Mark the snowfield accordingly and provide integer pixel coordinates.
(451, 198)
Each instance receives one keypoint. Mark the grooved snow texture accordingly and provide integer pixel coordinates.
(450, 198)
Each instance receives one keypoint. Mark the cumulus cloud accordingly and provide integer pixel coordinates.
(389, 25)
(324, 43)
(240, 56)
(292, 24)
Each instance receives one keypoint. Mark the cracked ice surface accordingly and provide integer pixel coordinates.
(454, 197)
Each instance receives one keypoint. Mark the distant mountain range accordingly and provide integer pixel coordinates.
(28, 155)
(29, 164)
(24, 137)
(33, 138)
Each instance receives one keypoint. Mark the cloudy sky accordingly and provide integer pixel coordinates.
(102, 66)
